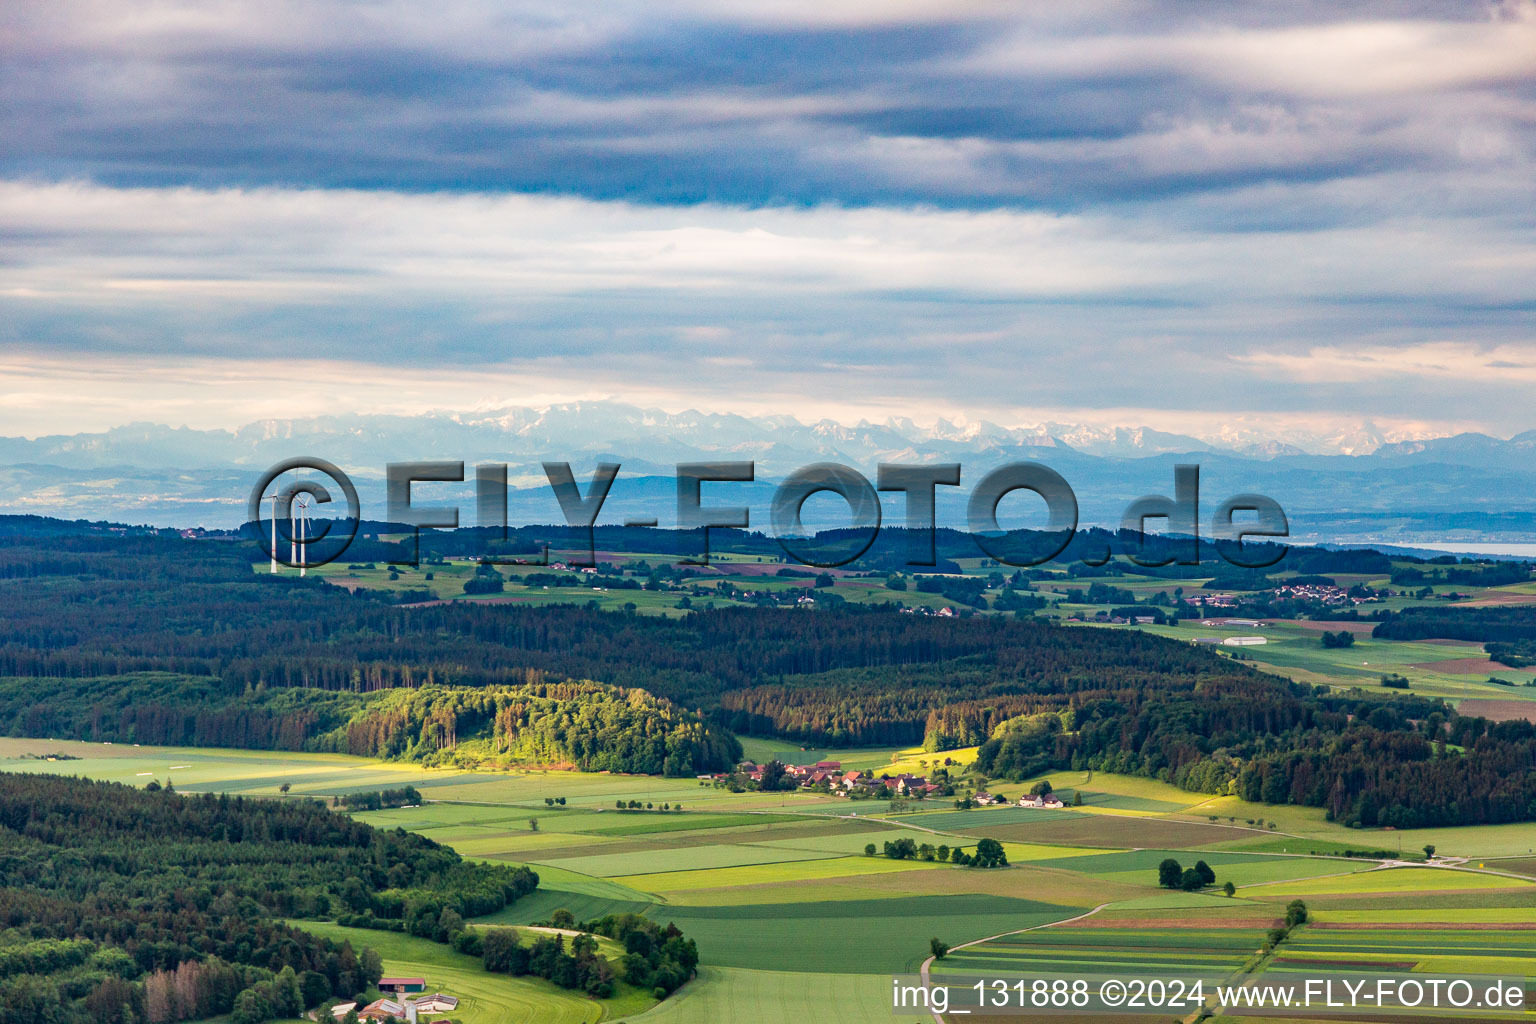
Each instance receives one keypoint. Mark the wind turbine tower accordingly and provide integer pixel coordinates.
(273, 498)
(303, 533)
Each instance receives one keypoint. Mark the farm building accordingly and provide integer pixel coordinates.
(1040, 800)
(402, 1008)
(436, 1003)
(1244, 641)
(403, 986)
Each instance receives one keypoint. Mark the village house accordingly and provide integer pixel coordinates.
(1040, 800)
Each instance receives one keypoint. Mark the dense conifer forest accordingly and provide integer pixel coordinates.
(297, 664)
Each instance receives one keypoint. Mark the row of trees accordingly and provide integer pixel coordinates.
(989, 853)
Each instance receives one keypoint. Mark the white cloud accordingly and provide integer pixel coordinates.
(1439, 360)
(1341, 59)
(421, 299)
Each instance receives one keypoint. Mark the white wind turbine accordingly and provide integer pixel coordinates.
(273, 497)
(301, 535)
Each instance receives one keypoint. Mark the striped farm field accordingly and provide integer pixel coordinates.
(1111, 831)
(1120, 862)
(850, 936)
(488, 843)
(1388, 880)
(1039, 853)
(736, 995)
(1417, 947)
(839, 842)
(1259, 872)
(554, 877)
(694, 858)
(638, 824)
(950, 821)
(1434, 916)
(725, 878)
(1211, 949)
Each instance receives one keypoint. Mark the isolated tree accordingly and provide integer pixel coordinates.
(284, 788)
(1429, 849)
(1206, 874)
(1295, 913)
(533, 824)
(939, 948)
(869, 849)
(1191, 880)
(1228, 888)
(990, 854)
(1169, 873)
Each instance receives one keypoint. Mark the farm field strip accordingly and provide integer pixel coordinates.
(1388, 880)
(1211, 953)
(728, 994)
(1255, 873)
(1465, 916)
(1425, 948)
(696, 858)
(889, 935)
(723, 878)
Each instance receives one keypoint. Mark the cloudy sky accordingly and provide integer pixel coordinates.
(1188, 216)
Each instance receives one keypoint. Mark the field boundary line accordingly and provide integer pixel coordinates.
(923, 970)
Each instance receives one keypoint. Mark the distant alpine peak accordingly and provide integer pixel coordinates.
(610, 428)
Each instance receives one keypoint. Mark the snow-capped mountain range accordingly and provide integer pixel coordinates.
(145, 472)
